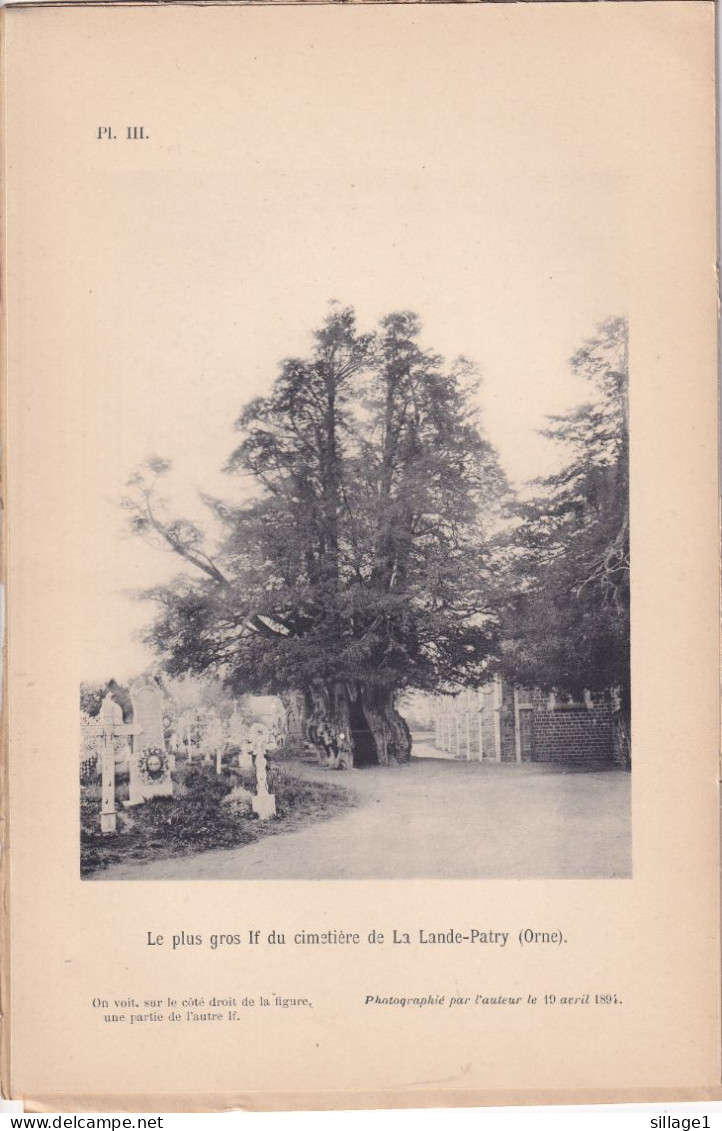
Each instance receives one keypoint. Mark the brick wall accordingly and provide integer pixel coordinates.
(559, 733)
(572, 732)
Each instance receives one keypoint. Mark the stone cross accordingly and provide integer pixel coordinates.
(264, 803)
(215, 741)
(206, 743)
(245, 758)
(184, 727)
(109, 726)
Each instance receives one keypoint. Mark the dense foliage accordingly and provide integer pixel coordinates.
(360, 565)
(93, 694)
(567, 628)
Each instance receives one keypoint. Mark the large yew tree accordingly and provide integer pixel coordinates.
(359, 563)
(567, 623)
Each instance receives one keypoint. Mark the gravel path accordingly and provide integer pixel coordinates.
(436, 819)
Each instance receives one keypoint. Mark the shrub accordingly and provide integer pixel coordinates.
(196, 819)
(207, 811)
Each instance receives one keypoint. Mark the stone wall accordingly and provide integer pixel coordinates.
(487, 700)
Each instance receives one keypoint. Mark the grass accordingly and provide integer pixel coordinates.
(207, 811)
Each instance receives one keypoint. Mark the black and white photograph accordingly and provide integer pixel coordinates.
(358, 595)
(363, 558)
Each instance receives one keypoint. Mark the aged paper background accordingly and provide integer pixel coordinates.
(608, 105)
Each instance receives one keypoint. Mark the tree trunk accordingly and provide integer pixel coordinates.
(622, 728)
(390, 733)
(327, 713)
(374, 732)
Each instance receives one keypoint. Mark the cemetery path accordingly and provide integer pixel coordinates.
(436, 820)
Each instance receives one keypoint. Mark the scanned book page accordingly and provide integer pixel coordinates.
(361, 555)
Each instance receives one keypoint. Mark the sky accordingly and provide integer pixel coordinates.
(483, 193)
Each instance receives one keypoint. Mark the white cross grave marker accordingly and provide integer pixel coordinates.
(110, 726)
(215, 741)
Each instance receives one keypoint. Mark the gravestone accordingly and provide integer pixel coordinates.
(176, 748)
(236, 728)
(205, 740)
(150, 764)
(184, 735)
(245, 757)
(148, 715)
(264, 803)
(215, 741)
